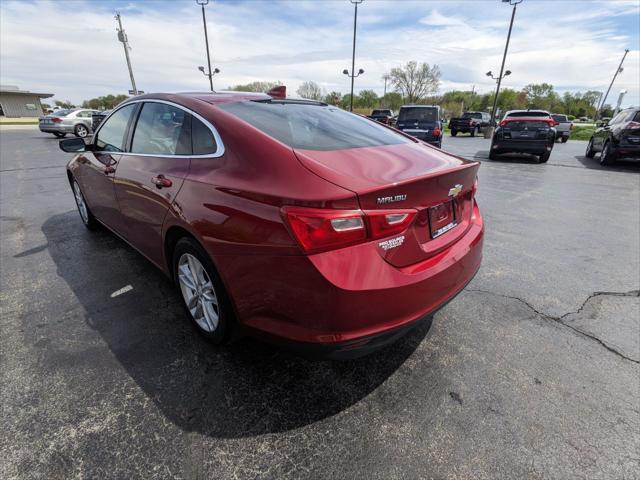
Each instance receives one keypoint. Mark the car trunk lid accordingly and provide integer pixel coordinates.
(437, 186)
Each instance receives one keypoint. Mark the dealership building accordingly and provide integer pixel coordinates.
(16, 103)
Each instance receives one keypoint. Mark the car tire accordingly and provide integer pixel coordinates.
(608, 156)
(564, 139)
(492, 155)
(86, 216)
(544, 157)
(59, 134)
(81, 130)
(590, 153)
(204, 297)
(473, 132)
(454, 132)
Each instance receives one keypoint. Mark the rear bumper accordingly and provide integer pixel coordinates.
(519, 146)
(53, 128)
(627, 150)
(346, 302)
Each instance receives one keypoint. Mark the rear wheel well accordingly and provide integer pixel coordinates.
(70, 177)
(171, 238)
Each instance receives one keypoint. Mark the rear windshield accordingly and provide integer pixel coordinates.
(419, 114)
(61, 113)
(528, 113)
(471, 115)
(381, 112)
(637, 117)
(313, 127)
(560, 118)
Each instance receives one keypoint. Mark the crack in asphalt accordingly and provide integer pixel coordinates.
(560, 319)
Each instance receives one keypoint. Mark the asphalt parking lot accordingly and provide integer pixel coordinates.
(532, 372)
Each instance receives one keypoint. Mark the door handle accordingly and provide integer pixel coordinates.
(161, 181)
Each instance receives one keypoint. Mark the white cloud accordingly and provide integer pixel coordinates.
(71, 49)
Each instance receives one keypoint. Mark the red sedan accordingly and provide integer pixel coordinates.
(288, 219)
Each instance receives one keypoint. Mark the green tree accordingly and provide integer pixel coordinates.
(333, 98)
(106, 102)
(415, 81)
(367, 99)
(258, 86)
(392, 100)
(65, 104)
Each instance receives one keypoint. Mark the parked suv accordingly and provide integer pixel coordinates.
(563, 127)
(61, 122)
(620, 137)
(469, 122)
(382, 115)
(421, 121)
(524, 131)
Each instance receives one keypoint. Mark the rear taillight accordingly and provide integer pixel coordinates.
(437, 132)
(503, 123)
(384, 223)
(318, 230)
(56, 120)
(472, 123)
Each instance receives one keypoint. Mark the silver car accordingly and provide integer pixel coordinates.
(61, 122)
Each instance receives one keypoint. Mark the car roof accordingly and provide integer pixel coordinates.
(213, 98)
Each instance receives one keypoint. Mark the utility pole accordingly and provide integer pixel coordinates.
(386, 77)
(122, 37)
(504, 58)
(618, 70)
(202, 3)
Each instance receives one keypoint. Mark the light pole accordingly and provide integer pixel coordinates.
(210, 75)
(122, 37)
(202, 3)
(498, 81)
(618, 70)
(504, 58)
(353, 54)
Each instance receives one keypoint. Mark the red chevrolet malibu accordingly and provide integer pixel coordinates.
(288, 219)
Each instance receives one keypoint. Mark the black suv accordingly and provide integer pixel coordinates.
(469, 122)
(524, 131)
(620, 137)
(421, 121)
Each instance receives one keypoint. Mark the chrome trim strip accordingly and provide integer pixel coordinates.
(218, 153)
(415, 130)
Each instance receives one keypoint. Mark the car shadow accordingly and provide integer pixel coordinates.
(622, 165)
(243, 389)
(507, 157)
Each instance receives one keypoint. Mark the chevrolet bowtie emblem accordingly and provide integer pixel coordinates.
(453, 192)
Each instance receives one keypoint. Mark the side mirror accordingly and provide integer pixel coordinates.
(73, 145)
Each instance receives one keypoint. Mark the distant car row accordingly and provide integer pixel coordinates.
(61, 122)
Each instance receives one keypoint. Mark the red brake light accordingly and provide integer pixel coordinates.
(56, 120)
(437, 132)
(384, 223)
(319, 230)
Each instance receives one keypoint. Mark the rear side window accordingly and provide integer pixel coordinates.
(418, 114)
(312, 126)
(202, 139)
(110, 138)
(162, 130)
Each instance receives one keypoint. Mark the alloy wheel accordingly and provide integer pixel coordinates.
(82, 131)
(198, 292)
(82, 206)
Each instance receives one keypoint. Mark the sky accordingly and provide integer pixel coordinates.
(70, 48)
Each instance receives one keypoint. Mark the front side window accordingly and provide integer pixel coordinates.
(312, 126)
(162, 130)
(110, 138)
